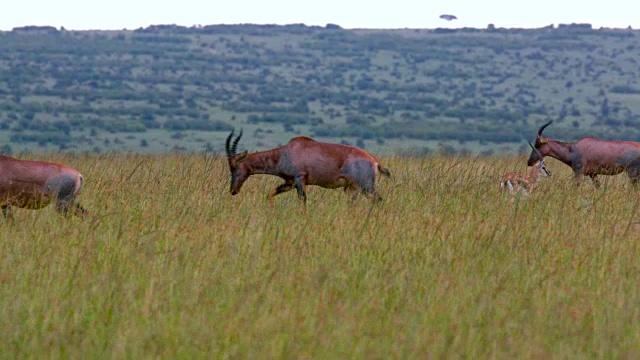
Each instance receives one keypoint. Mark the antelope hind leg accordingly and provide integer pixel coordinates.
(7, 213)
(352, 191)
(634, 175)
(63, 189)
(363, 174)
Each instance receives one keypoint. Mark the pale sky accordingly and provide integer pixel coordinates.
(132, 14)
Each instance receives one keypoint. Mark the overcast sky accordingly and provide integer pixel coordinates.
(132, 14)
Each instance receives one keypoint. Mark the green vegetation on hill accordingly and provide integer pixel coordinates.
(168, 87)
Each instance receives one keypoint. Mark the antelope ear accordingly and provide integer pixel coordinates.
(541, 141)
(243, 155)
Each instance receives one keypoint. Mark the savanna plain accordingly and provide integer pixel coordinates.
(169, 264)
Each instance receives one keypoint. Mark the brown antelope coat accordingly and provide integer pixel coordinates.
(590, 156)
(34, 184)
(304, 161)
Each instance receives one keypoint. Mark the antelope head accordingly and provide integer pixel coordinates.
(540, 150)
(239, 171)
(539, 164)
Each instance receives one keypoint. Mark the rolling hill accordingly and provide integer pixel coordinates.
(166, 87)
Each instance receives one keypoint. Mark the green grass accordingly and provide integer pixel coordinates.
(169, 264)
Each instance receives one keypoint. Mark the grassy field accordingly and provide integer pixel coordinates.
(169, 264)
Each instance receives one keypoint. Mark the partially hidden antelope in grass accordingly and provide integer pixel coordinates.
(524, 184)
(304, 161)
(590, 156)
(33, 184)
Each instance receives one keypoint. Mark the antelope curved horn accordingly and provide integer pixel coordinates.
(235, 143)
(227, 145)
(534, 149)
(544, 126)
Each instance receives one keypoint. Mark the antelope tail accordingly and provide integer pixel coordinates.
(384, 171)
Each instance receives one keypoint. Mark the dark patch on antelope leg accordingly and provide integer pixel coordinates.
(62, 189)
(595, 180)
(285, 164)
(287, 186)
(631, 162)
(362, 173)
(578, 176)
(302, 195)
(633, 171)
(578, 167)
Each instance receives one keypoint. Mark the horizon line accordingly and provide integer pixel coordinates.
(200, 26)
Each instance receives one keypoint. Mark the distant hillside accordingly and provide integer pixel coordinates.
(168, 87)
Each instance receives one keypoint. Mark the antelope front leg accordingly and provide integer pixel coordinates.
(352, 192)
(302, 195)
(595, 180)
(287, 186)
(64, 206)
(6, 212)
(578, 176)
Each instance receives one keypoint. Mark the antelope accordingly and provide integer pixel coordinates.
(304, 161)
(525, 183)
(590, 156)
(33, 185)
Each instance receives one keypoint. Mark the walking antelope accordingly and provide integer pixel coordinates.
(525, 183)
(590, 156)
(34, 184)
(304, 161)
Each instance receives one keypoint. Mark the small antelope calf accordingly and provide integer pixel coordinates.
(525, 183)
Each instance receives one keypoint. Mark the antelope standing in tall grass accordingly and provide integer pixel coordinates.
(524, 184)
(33, 184)
(304, 161)
(590, 156)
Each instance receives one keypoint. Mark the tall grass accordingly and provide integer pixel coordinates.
(170, 264)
